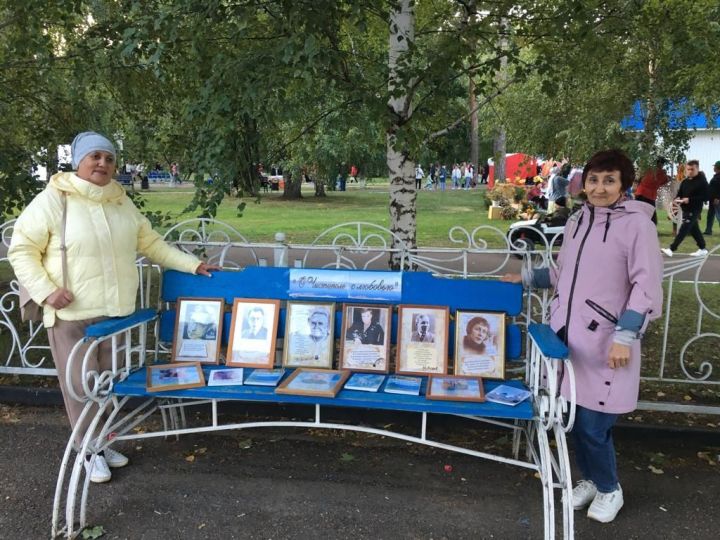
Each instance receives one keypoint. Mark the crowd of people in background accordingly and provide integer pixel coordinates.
(461, 175)
(689, 190)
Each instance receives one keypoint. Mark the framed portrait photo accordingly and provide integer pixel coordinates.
(422, 341)
(198, 330)
(164, 377)
(309, 335)
(253, 331)
(454, 388)
(480, 344)
(366, 338)
(314, 382)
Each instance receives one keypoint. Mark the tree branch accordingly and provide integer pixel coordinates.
(459, 121)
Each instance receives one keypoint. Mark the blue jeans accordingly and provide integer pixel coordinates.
(712, 215)
(594, 448)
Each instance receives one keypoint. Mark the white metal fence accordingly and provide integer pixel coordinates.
(681, 352)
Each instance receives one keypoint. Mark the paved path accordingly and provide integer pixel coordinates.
(282, 484)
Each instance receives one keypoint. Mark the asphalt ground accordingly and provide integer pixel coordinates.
(299, 483)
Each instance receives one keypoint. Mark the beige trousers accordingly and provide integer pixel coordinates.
(62, 337)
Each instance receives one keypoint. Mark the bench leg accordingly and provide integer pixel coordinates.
(546, 478)
(77, 478)
(565, 480)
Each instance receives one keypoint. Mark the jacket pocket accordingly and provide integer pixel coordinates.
(596, 318)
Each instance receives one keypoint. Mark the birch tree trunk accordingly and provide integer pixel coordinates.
(401, 168)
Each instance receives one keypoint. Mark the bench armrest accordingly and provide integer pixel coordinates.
(547, 341)
(118, 324)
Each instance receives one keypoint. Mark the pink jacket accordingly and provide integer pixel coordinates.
(608, 277)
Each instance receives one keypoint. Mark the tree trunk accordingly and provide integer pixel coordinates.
(499, 154)
(293, 185)
(319, 187)
(401, 168)
(474, 138)
(499, 144)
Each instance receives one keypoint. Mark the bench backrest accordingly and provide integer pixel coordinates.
(418, 288)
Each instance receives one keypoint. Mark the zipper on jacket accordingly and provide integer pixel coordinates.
(575, 273)
(607, 227)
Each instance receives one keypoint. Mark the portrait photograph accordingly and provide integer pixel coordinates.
(253, 331)
(454, 388)
(309, 335)
(176, 376)
(314, 382)
(480, 344)
(422, 340)
(198, 330)
(365, 338)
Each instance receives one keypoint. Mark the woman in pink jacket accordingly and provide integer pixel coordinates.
(608, 286)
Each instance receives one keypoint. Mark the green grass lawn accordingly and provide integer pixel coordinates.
(303, 220)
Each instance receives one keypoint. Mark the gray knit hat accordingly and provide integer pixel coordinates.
(89, 141)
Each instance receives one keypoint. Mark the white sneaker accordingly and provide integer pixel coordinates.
(100, 472)
(699, 253)
(667, 251)
(583, 494)
(115, 459)
(606, 506)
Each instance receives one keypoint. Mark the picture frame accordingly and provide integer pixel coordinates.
(365, 344)
(455, 388)
(309, 335)
(175, 376)
(253, 333)
(422, 342)
(314, 382)
(198, 330)
(480, 344)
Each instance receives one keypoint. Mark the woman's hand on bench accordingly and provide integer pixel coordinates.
(512, 278)
(204, 269)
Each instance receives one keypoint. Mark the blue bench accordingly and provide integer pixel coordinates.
(533, 423)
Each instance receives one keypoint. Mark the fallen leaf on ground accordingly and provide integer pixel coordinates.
(245, 444)
(347, 457)
(90, 533)
(190, 458)
(655, 470)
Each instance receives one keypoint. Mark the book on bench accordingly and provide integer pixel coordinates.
(507, 395)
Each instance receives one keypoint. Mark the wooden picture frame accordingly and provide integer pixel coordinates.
(455, 388)
(480, 344)
(422, 342)
(309, 335)
(176, 376)
(365, 344)
(253, 333)
(314, 382)
(198, 330)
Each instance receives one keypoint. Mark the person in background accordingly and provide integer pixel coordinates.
(608, 287)
(468, 176)
(419, 175)
(104, 233)
(557, 186)
(442, 177)
(713, 199)
(652, 180)
(691, 196)
(455, 176)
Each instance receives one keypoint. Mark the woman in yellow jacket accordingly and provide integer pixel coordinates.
(104, 232)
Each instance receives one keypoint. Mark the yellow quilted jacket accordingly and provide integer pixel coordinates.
(104, 234)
